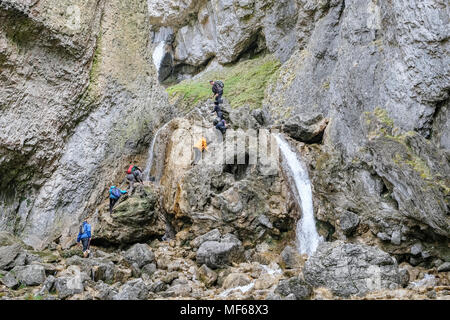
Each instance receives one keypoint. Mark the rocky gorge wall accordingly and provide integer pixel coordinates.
(360, 88)
(78, 94)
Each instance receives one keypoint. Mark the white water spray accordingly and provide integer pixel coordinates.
(148, 165)
(158, 55)
(307, 237)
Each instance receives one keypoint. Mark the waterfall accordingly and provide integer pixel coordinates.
(148, 165)
(307, 237)
(158, 55)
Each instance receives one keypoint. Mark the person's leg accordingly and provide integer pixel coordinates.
(197, 155)
(85, 242)
(111, 204)
(131, 180)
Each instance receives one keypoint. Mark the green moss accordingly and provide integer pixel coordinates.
(33, 297)
(382, 115)
(245, 84)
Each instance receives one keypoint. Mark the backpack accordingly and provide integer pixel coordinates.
(130, 169)
(116, 193)
(220, 84)
(82, 228)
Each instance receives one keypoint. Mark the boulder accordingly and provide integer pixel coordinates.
(132, 290)
(348, 221)
(10, 281)
(445, 267)
(296, 286)
(351, 269)
(141, 254)
(104, 291)
(47, 286)
(213, 235)
(97, 268)
(217, 254)
(207, 276)
(309, 130)
(10, 256)
(291, 258)
(70, 283)
(236, 280)
(31, 275)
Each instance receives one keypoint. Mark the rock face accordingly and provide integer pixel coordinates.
(351, 269)
(378, 73)
(225, 30)
(93, 108)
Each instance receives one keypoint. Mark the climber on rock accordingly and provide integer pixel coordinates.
(218, 110)
(84, 235)
(220, 125)
(114, 196)
(217, 89)
(201, 146)
(134, 174)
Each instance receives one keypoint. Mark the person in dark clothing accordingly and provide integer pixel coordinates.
(114, 196)
(218, 110)
(220, 125)
(134, 174)
(84, 236)
(217, 89)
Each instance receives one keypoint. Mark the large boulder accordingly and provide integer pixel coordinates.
(352, 269)
(31, 275)
(141, 254)
(294, 286)
(136, 219)
(11, 256)
(132, 290)
(70, 282)
(96, 268)
(217, 254)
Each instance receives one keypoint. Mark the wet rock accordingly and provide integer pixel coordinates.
(296, 287)
(219, 254)
(351, 269)
(132, 290)
(141, 254)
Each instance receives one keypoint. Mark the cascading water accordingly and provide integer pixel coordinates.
(148, 165)
(158, 55)
(307, 237)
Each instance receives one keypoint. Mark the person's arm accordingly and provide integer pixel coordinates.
(123, 191)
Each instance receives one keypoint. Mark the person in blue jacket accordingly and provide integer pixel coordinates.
(114, 196)
(85, 237)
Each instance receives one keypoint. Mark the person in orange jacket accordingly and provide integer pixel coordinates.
(199, 147)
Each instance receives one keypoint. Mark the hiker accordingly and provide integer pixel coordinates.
(217, 89)
(201, 146)
(114, 196)
(220, 125)
(218, 110)
(84, 236)
(134, 174)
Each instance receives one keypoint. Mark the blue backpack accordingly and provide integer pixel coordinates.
(116, 193)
